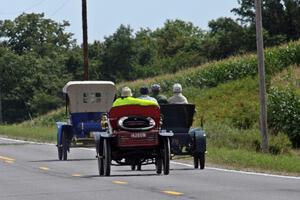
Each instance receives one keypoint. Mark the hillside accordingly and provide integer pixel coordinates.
(235, 103)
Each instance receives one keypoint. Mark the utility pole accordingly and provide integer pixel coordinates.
(262, 82)
(1, 117)
(85, 41)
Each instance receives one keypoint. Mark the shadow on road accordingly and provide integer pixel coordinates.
(119, 175)
(69, 160)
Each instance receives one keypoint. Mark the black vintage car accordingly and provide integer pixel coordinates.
(178, 118)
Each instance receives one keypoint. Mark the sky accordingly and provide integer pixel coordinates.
(105, 16)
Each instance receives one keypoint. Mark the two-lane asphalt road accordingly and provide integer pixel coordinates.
(31, 171)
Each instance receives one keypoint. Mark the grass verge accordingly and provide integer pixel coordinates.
(36, 133)
(249, 160)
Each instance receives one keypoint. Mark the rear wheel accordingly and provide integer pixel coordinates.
(166, 156)
(100, 159)
(64, 145)
(158, 165)
(106, 157)
(202, 160)
(199, 158)
(196, 161)
(60, 153)
(139, 167)
(132, 167)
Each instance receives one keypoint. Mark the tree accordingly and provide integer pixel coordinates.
(176, 36)
(118, 54)
(34, 33)
(279, 17)
(292, 18)
(226, 37)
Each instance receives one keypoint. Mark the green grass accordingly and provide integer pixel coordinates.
(48, 119)
(229, 103)
(249, 160)
(32, 133)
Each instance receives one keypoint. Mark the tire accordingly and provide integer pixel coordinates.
(166, 156)
(139, 167)
(196, 161)
(132, 167)
(60, 152)
(202, 160)
(158, 165)
(106, 157)
(100, 159)
(65, 145)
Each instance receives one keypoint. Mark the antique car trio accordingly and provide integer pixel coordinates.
(127, 130)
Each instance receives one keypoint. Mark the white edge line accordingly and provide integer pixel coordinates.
(240, 172)
(25, 141)
(174, 162)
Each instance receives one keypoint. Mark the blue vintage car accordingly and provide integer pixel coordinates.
(86, 103)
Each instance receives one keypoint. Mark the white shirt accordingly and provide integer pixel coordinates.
(147, 97)
(177, 98)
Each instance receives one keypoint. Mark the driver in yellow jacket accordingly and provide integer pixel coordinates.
(127, 99)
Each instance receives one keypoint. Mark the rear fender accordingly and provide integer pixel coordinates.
(164, 133)
(199, 139)
(99, 136)
(61, 127)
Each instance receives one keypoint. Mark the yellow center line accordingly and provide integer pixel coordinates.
(3, 158)
(9, 161)
(120, 182)
(174, 193)
(44, 168)
(76, 175)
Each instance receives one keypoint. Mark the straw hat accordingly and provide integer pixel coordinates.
(126, 92)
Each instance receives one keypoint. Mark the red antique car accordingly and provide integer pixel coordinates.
(133, 137)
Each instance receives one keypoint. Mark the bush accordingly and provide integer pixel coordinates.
(280, 144)
(221, 135)
(284, 113)
(42, 103)
(243, 116)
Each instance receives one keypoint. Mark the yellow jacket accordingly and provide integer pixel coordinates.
(133, 101)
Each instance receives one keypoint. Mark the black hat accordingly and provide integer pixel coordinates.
(144, 90)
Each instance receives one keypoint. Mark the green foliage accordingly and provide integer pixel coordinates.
(177, 36)
(117, 54)
(37, 57)
(284, 113)
(42, 103)
(34, 33)
(226, 37)
(226, 103)
(214, 73)
(33, 65)
(244, 116)
(48, 119)
(221, 135)
(279, 17)
(280, 144)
